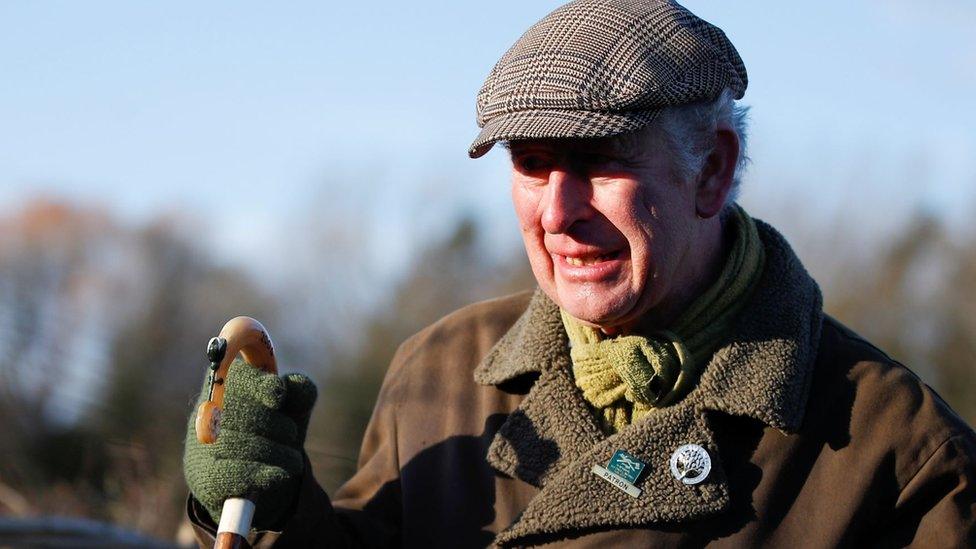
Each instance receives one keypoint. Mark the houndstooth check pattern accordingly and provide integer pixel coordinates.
(594, 68)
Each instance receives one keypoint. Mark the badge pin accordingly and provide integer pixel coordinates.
(690, 464)
(622, 471)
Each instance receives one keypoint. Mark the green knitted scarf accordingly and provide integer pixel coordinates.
(626, 377)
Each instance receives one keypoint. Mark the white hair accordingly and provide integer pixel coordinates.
(689, 131)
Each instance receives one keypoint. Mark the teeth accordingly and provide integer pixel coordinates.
(580, 262)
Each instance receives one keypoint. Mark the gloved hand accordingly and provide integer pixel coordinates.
(258, 453)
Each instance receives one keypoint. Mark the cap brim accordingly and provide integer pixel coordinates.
(557, 124)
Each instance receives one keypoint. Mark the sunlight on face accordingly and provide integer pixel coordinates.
(606, 224)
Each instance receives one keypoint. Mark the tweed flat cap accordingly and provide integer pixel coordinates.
(594, 68)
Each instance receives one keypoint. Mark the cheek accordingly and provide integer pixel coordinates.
(637, 218)
(526, 209)
(666, 224)
(526, 203)
(647, 234)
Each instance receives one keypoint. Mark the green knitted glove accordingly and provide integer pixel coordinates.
(258, 453)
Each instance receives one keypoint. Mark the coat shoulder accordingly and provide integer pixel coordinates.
(887, 408)
(460, 339)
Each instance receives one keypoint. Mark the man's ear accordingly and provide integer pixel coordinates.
(718, 172)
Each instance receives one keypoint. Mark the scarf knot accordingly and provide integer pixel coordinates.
(639, 369)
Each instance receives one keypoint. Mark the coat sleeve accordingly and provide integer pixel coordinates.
(937, 508)
(366, 510)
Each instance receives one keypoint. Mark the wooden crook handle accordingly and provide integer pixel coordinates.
(242, 335)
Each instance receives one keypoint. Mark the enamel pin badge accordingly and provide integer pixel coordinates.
(622, 472)
(690, 464)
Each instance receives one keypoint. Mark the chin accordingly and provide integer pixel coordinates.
(600, 309)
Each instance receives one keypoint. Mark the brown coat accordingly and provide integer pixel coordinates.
(817, 439)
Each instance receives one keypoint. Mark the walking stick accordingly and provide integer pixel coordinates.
(248, 337)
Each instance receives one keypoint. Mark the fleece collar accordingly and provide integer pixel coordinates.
(553, 439)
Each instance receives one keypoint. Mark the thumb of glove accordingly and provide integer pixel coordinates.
(300, 396)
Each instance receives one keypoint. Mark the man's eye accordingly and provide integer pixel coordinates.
(531, 163)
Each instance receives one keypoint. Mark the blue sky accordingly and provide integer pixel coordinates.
(262, 114)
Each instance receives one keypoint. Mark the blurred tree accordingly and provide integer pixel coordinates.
(957, 351)
(102, 337)
(44, 255)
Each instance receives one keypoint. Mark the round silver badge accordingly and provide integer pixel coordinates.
(690, 464)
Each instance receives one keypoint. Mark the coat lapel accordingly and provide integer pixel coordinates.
(552, 440)
(552, 426)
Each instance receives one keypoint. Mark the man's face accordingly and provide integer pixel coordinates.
(608, 227)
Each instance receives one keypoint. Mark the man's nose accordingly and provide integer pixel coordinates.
(567, 200)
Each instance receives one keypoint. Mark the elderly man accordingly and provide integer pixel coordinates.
(672, 382)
